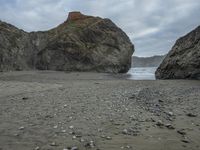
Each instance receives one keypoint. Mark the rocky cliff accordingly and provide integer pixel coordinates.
(81, 43)
(183, 61)
(16, 49)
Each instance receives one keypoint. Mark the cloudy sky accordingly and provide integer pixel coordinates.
(152, 25)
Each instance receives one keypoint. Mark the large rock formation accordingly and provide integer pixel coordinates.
(81, 43)
(183, 61)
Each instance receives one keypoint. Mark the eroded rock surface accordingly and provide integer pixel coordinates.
(81, 43)
(183, 61)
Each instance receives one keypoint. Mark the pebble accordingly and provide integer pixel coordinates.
(169, 126)
(181, 131)
(90, 144)
(21, 128)
(108, 138)
(72, 133)
(126, 147)
(125, 131)
(25, 98)
(100, 130)
(71, 127)
(37, 148)
(53, 144)
(55, 127)
(185, 140)
(160, 123)
(74, 148)
(191, 115)
(170, 113)
(82, 140)
(16, 134)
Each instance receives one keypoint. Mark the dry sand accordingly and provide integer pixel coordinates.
(47, 110)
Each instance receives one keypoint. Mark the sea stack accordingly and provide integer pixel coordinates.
(183, 61)
(81, 43)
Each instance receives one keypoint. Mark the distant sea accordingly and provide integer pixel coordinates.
(142, 73)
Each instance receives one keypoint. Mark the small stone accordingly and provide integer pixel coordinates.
(125, 131)
(71, 127)
(169, 126)
(63, 131)
(78, 135)
(160, 123)
(55, 127)
(82, 140)
(181, 131)
(128, 147)
(53, 144)
(74, 148)
(185, 140)
(153, 120)
(25, 98)
(108, 138)
(37, 148)
(65, 105)
(100, 130)
(90, 144)
(170, 113)
(191, 115)
(21, 128)
(72, 133)
(16, 134)
(74, 137)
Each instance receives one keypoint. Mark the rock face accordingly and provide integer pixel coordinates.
(183, 61)
(81, 43)
(16, 49)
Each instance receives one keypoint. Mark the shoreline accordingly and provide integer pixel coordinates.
(55, 110)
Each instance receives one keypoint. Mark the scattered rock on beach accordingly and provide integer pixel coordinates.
(53, 144)
(181, 131)
(37, 148)
(169, 126)
(21, 128)
(185, 140)
(191, 115)
(160, 123)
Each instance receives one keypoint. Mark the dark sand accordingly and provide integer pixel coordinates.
(55, 110)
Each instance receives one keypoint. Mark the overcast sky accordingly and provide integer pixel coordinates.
(152, 25)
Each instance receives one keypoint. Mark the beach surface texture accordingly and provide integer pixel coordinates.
(51, 110)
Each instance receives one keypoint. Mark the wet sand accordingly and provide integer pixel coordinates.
(47, 110)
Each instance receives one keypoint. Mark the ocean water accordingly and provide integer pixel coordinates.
(145, 73)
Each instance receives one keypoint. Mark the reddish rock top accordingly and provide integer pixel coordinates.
(76, 16)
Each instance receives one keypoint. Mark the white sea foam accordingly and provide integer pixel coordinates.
(145, 73)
